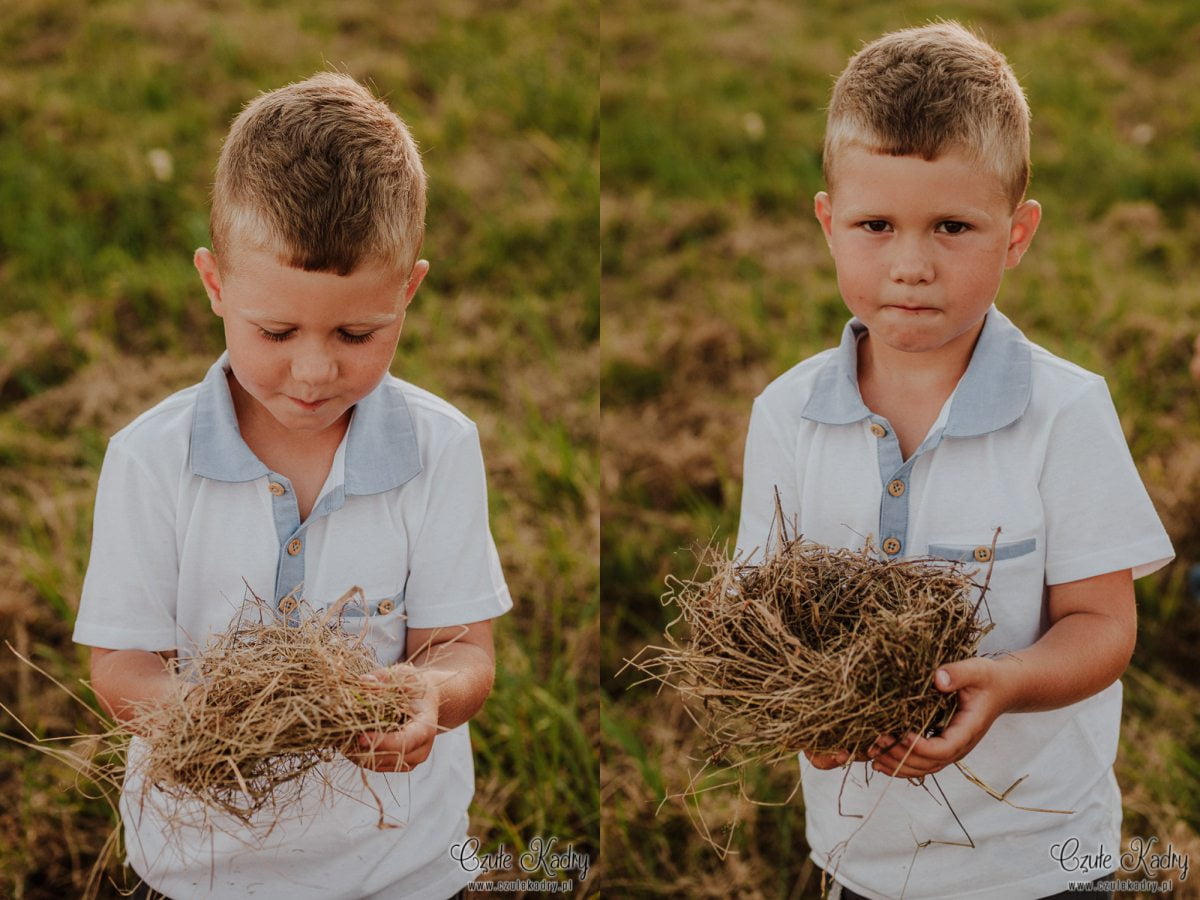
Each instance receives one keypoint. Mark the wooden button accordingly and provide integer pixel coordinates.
(288, 604)
(295, 545)
(891, 546)
(878, 430)
(896, 487)
(276, 488)
(385, 607)
(983, 554)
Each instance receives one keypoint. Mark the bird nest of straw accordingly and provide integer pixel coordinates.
(815, 648)
(262, 705)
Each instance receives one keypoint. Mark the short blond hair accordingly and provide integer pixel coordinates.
(324, 174)
(925, 91)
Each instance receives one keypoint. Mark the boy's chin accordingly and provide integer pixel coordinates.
(294, 418)
(929, 335)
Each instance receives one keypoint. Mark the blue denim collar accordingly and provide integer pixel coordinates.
(992, 393)
(381, 443)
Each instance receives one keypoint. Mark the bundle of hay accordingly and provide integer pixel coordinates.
(262, 706)
(817, 649)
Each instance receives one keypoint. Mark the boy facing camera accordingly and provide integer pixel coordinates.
(934, 423)
(300, 467)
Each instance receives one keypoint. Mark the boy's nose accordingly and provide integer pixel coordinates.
(314, 367)
(912, 264)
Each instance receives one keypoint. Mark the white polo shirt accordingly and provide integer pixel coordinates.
(187, 519)
(1027, 443)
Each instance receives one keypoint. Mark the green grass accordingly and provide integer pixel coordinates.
(716, 279)
(101, 315)
(691, 132)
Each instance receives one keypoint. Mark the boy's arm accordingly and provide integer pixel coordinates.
(458, 666)
(123, 678)
(1087, 647)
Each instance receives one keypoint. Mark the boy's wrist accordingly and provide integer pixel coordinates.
(1010, 688)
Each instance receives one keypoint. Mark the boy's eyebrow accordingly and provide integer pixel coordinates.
(374, 321)
(961, 212)
(377, 319)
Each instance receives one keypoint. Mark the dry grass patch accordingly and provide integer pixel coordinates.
(816, 648)
(262, 705)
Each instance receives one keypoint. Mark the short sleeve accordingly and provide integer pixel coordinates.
(768, 466)
(131, 585)
(454, 571)
(1099, 518)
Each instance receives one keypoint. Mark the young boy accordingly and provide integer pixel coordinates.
(301, 468)
(934, 423)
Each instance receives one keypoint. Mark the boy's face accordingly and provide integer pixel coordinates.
(305, 346)
(920, 245)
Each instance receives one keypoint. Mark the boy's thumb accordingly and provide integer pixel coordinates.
(954, 676)
(942, 680)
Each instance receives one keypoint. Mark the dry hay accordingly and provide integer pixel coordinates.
(251, 717)
(816, 648)
(262, 705)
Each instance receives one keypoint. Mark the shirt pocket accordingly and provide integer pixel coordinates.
(381, 622)
(1013, 606)
(983, 553)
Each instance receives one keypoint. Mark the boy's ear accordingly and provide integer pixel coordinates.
(1024, 225)
(823, 207)
(206, 264)
(419, 271)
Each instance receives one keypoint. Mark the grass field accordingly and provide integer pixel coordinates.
(698, 156)
(716, 279)
(110, 123)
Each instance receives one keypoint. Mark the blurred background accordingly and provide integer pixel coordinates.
(716, 279)
(111, 117)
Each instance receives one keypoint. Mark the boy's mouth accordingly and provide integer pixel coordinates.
(306, 405)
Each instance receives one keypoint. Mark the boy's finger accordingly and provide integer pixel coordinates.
(368, 740)
(827, 760)
(956, 739)
(883, 744)
(910, 761)
(413, 734)
(900, 756)
(941, 750)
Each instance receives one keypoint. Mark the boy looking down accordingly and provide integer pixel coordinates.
(300, 467)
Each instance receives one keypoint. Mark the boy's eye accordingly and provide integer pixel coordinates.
(344, 336)
(875, 226)
(953, 227)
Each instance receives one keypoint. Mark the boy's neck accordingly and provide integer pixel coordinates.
(909, 389)
(928, 371)
(304, 458)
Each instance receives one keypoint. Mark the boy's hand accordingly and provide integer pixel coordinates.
(832, 760)
(451, 670)
(408, 747)
(1093, 625)
(984, 689)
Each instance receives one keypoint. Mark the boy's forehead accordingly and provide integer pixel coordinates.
(267, 286)
(866, 170)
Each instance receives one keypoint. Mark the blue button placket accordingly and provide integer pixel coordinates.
(992, 394)
(893, 507)
(289, 573)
